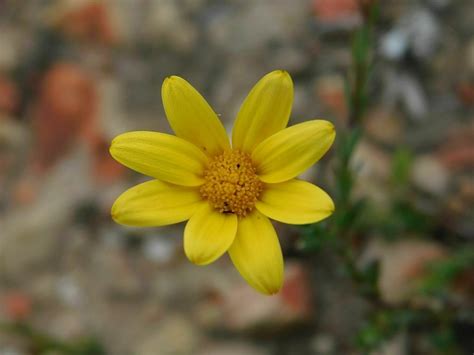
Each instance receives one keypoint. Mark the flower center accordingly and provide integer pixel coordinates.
(231, 183)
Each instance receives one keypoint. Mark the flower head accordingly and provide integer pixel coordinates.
(227, 193)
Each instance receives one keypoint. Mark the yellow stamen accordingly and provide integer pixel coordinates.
(231, 183)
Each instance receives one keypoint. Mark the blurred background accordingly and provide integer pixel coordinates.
(390, 273)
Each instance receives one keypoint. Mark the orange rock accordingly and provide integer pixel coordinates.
(330, 91)
(16, 305)
(25, 191)
(464, 286)
(403, 264)
(106, 169)
(466, 93)
(90, 22)
(335, 10)
(67, 102)
(9, 98)
(296, 291)
(457, 152)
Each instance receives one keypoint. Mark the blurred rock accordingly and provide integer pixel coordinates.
(13, 134)
(167, 23)
(160, 249)
(417, 30)
(459, 204)
(369, 162)
(470, 55)
(31, 234)
(115, 262)
(9, 96)
(106, 170)
(330, 91)
(233, 348)
(397, 345)
(67, 103)
(249, 28)
(323, 344)
(68, 291)
(465, 92)
(394, 44)
(440, 3)
(174, 335)
(15, 306)
(6, 349)
(242, 309)
(457, 151)
(86, 21)
(384, 126)
(405, 88)
(291, 58)
(67, 324)
(337, 13)
(430, 175)
(463, 288)
(12, 40)
(112, 117)
(372, 167)
(402, 265)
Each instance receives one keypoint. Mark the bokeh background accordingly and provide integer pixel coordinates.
(391, 273)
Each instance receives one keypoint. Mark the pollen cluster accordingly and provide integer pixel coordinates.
(232, 185)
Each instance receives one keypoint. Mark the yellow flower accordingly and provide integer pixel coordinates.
(227, 193)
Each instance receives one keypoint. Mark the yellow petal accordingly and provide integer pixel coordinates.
(256, 253)
(295, 202)
(155, 203)
(161, 156)
(265, 111)
(191, 117)
(208, 234)
(288, 153)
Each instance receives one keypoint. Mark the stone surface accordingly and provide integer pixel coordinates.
(402, 265)
(430, 175)
(239, 308)
(174, 335)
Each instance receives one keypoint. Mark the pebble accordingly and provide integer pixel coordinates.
(429, 175)
(233, 348)
(330, 91)
(323, 343)
(160, 249)
(385, 126)
(397, 345)
(402, 264)
(337, 14)
(417, 30)
(174, 335)
(11, 40)
(407, 89)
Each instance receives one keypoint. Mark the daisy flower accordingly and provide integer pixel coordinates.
(227, 193)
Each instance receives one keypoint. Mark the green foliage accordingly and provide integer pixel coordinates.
(401, 218)
(443, 272)
(384, 324)
(44, 344)
(314, 237)
(401, 166)
(346, 144)
(444, 341)
(370, 276)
